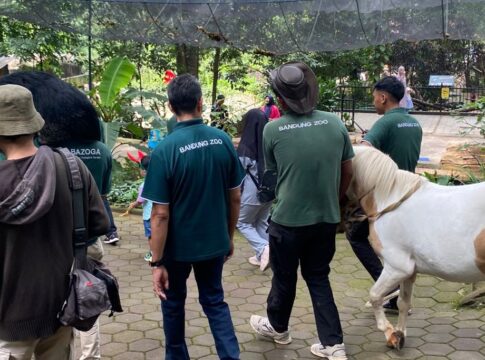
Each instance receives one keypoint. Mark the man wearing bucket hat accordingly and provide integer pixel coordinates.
(36, 227)
(311, 153)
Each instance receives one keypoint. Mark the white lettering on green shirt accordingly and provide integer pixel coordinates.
(302, 125)
(199, 145)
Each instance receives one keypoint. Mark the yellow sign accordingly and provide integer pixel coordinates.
(445, 93)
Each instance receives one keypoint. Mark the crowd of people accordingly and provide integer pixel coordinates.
(309, 151)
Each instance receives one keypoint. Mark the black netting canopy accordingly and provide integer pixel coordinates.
(281, 26)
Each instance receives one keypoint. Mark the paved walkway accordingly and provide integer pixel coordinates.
(436, 330)
(439, 132)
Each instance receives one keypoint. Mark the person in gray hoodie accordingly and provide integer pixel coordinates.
(36, 226)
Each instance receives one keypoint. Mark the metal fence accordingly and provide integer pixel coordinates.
(425, 99)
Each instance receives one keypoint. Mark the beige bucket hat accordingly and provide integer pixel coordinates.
(17, 112)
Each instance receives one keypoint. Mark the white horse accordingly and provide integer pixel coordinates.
(416, 227)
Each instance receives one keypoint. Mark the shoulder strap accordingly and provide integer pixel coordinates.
(252, 177)
(76, 185)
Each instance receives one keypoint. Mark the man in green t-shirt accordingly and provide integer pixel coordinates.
(311, 153)
(399, 135)
(194, 181)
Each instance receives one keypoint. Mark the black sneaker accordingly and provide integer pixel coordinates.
(390, 307)
(111, 239)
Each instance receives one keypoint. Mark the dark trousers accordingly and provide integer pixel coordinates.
(358, 236)
(313, 248)
(208, 275)
(357, 233)
(112, 226)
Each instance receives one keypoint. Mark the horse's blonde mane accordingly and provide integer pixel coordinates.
(375, 172)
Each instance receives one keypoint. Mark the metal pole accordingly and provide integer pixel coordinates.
(90, 39)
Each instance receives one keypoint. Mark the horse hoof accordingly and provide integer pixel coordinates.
(396, 340)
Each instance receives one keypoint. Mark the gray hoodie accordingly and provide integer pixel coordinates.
(36, 241)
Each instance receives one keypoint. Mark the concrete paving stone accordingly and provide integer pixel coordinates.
(467, 344)
(129, 355)
(424, 291)
(436, 349)
(128, 318)
(469, 333)
(446, 296)
(466, 355)
(469, 314)
(127, 336)
(371, 355)
(144, 325)
(415, 332)
(114, 328)
(438, 338)
(246, 288)
(113, 348)
(278, 354)
(260, 345)
(444, 315)
(144, 345)
(463, 324)
(405, 353)
(154, 315)
(144, 309)
(440, 329)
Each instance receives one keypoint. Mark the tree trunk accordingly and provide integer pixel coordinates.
(215, 74)
(187, 60)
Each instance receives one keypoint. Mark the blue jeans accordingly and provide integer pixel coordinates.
(253, 223)
(208, 275)
(112, 226)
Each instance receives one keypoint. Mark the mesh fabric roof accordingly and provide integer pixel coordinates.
(275, 26)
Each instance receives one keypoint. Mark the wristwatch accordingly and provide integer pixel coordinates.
(157, 264)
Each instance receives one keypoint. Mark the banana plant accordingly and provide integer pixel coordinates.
(107, 96)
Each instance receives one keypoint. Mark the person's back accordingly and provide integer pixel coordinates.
(308, 151)
(198, 157)
(97, 158)
(36, 227)
(193, 180)
(399, 135)
(311, 152)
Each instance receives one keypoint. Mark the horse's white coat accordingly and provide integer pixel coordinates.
(431, 230)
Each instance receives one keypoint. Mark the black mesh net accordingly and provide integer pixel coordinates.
(267, 26)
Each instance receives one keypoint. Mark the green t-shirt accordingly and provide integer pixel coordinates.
(97, 158)
(193, 170)
(399, 135)
(307, 152)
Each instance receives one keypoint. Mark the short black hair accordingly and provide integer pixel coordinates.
(67, 112)
(184, 93)
(392, 86)
(145, 161)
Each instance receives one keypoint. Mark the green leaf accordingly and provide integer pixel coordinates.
(117, 75)
(135, 129)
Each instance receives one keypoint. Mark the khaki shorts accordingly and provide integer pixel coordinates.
(56, 347)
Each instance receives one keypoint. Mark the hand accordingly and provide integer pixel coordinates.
(131, 206)
(160, 281)
(230, 252)
(127, 212)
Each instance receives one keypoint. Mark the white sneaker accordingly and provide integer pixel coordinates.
(336, 352)
(264, 259)
(253, 260)
(262, 326)
(386, 298)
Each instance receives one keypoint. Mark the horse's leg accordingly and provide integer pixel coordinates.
(404, 304)
(388, 281)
